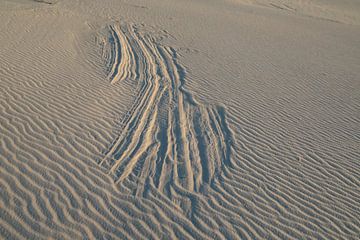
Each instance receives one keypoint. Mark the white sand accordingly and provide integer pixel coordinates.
(205, 119)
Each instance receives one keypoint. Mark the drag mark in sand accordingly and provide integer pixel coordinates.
(168, 140)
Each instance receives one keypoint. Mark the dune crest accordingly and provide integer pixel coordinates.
(345, 11)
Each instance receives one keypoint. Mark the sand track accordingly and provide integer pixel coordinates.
(168, 140)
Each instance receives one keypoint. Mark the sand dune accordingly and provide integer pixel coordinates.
(179, 119)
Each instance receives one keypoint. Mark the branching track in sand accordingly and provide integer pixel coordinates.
(168, 140)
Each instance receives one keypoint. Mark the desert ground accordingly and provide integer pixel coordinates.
(180, 119)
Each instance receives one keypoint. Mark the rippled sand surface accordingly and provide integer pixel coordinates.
(219, 119)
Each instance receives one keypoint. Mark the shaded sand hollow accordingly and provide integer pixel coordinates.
(217, 119)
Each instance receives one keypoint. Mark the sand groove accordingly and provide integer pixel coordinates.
(168, 140)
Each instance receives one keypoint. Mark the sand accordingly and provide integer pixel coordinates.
(217, 119)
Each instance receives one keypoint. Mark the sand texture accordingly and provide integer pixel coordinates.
(216, 119)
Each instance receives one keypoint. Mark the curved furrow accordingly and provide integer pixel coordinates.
(167, 139)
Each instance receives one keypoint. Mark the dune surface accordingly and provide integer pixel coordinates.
(217, 119)
(346, 11)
